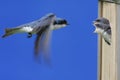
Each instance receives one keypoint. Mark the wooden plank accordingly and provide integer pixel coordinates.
(100, 11)
(109, 12)
(108, 53)
(118, 41)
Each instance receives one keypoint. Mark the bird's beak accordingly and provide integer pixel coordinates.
(94, 22)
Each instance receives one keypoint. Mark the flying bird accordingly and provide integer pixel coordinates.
(41, 27)
(103, 28)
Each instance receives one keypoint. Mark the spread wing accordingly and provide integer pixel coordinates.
(43, 30)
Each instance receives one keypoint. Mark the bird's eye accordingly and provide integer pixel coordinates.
(64, 21)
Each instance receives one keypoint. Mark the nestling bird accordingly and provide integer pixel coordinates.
(41, 27)
(103, 28)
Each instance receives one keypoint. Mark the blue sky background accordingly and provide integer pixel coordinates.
(73, 48)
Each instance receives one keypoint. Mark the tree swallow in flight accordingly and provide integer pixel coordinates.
(41, 27)
(103, 28)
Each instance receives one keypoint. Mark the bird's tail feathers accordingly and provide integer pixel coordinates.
(10, 31)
